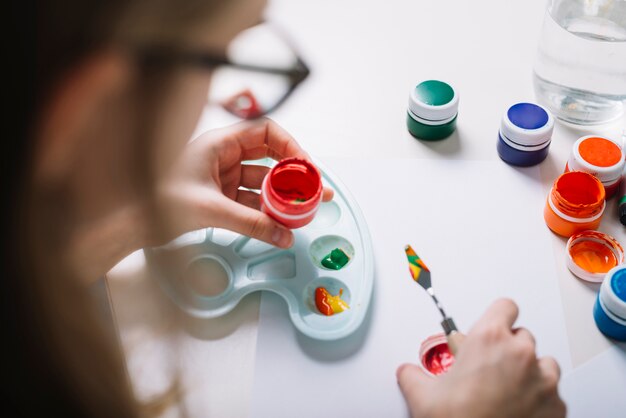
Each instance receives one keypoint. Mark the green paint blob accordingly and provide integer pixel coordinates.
(434, 92)
(336, 260)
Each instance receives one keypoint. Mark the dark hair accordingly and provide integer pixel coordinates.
(58, 357)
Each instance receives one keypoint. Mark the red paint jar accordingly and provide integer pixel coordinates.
(598, 156)
(435, 355)
(292, 192)
(576, 203)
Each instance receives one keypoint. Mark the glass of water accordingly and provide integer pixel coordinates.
(580, 68)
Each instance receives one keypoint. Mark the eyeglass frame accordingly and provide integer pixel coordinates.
(211, 61)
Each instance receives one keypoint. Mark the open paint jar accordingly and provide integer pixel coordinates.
(433, 108)
(525, 134)
(601, 157)
(575, 204)
(292, 192)
(435, 355)
(591, 254)
(609, 311)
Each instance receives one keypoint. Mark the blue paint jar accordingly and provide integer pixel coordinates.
(610, 308)
(525, 134)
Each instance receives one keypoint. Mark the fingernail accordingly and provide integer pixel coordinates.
(282, 237)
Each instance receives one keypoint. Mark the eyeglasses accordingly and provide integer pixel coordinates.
(257, 74)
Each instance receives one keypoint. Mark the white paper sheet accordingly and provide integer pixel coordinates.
(598, 387)
(477, 225)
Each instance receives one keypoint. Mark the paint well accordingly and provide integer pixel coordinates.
(327, 215)
(600, 152)
(336, 260)
(206, 277)
(323, 246)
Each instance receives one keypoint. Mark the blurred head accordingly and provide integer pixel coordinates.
(94, 126)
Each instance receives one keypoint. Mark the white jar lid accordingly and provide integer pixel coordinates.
(527, 124)
(594, 156)
(434, 100)
(613, 291)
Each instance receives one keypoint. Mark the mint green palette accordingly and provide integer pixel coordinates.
(207, 272)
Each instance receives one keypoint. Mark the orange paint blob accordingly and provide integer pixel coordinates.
(600, 152)
(575, 203)
(328, 304)
(593, 256)
(321, 301)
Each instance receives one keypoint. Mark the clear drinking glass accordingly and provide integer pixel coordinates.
(580, 68)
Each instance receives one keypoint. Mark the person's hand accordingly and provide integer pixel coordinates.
(496, 373)
(203, 188)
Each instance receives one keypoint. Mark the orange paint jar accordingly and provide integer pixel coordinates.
(598, 156)
(576, 203)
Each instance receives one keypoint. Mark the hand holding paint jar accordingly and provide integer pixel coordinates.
(497, 364)
(292, 192)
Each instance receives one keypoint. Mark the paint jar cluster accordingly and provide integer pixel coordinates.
(291, 194)
(577, 203)
(575, 207)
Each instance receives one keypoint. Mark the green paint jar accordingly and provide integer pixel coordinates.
(433, 108)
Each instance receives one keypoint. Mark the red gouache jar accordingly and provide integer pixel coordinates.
(292, 192)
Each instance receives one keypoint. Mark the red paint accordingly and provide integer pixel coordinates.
(321, 302)
(295, 180)
(578, 195)
(438, 359)
(292, 192)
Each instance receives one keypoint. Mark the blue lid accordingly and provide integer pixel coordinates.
(528, 115)
(618, 283)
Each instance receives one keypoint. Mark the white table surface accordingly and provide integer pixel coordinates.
(365, 57)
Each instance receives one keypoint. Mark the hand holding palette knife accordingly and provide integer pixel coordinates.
(421, 274)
